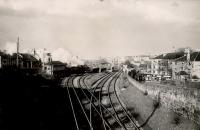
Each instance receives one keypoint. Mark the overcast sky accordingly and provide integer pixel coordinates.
(101, 27)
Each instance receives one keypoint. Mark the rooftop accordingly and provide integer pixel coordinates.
(24, 56)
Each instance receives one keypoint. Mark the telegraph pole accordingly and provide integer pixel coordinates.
(17, 52)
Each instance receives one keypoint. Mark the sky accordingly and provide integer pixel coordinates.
(93, 28)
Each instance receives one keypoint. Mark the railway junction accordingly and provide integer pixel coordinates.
(107, 101)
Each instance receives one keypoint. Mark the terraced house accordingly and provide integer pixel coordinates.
(187, 66)
(161, 66)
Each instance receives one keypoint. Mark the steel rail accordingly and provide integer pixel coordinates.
(99, 79)
(107, 124)
(104, 78)
(104, 107)
(100, 107)
(74, 115)
(90, 75)
(91, 97)
(111, 102)
(124, 109)
(91, 128)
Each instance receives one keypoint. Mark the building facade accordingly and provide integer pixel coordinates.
(54, 66)
(25, 61)
(162, 65)
(189, 65)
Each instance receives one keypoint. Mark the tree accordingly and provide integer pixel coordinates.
(195, 77)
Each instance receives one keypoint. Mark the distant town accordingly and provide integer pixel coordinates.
(169, 82)
(99, 65)
(182, 65)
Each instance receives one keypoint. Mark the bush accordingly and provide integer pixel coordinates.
(136, 115)
(156, 101)
(176, 120)
(195, 77)
(145, 92)
(156, 104)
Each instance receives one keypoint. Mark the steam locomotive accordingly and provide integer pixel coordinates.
(137, 75)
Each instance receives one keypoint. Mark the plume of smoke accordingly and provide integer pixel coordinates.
(61, 54)
(66, 56)
(10, 47)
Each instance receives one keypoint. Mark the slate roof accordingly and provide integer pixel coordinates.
(4, 55)
(25, 57)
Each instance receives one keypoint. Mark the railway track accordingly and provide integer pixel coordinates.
(127, 122)
(103, 109)
(77, 107)
(128, 114)
(99, 88)
(94, 99)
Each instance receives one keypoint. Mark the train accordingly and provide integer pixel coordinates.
(78, 70)
(135, 74)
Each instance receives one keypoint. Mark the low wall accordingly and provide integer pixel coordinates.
(184, 101)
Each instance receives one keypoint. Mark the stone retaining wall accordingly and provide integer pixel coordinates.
(184, 101)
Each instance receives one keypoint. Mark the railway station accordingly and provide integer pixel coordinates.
(99, 65)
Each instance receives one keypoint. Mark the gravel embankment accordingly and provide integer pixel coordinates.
(146, 109)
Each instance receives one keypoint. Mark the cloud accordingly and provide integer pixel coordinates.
(160, 11)
(94, 28)
(153, 10)
(11, 47)
(53, 7)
